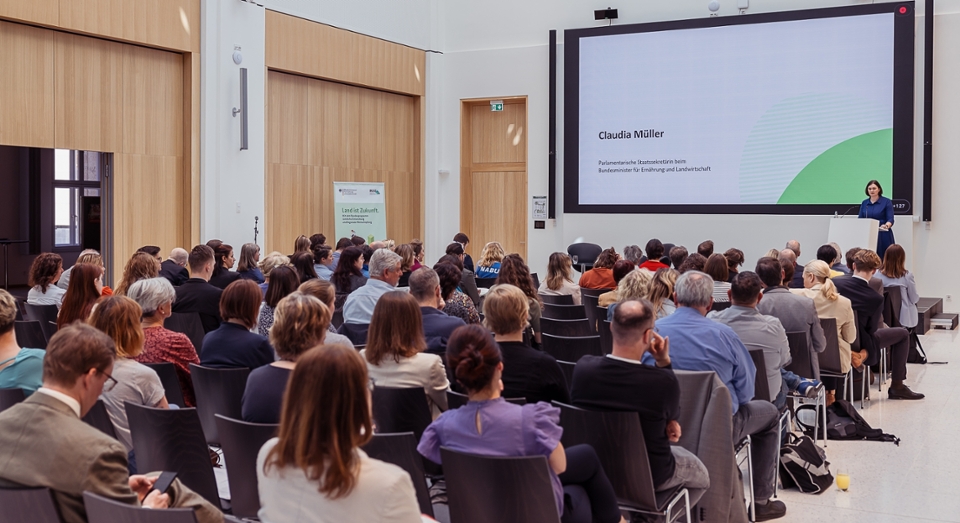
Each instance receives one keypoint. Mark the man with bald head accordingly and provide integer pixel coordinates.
(174, 268)
(437, 325)
(792, 255)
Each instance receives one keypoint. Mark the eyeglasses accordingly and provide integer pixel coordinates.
(110, 383)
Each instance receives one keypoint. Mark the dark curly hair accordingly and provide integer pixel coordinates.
(515, 272)
(43, 271)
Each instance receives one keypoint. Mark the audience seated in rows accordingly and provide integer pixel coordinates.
(174, 268)
(232, 345)
(75, 456)
(196, 294)
(513, 271)
(601, 275)
(698, 343)
(634, 286)
(268, 264)
(314, 470)
(620, 269)
(326, 293)
(437, 325)
(894, 273)
(155, 297)
(283, 281)
(348, 276)
(300, 323)
(528, 373)
(490, 258)
(620, 382)
(130, 381)
(395, 350)
(20, 368)
(455, 303)
(488, 425)
(818, 287)
(248, 266)
(223, 261)
(94, 257)
(716, 268)
(654, 250)
(868, 304)
(559, 281)
(385, 272)
(84, 291)
(45, 271)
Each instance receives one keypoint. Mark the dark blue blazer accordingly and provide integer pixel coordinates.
(437, 328)
(868, 304)
(233, 346)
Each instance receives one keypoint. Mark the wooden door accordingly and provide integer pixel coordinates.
(493, 175)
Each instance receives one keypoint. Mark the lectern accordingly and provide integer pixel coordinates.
(849, 232)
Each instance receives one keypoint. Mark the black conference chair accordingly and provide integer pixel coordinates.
(30, 334)
(45, 314)
(105, 510)
(627, 466)
(592, 292)
(167, 372)
(486, 283)
(557, 299)
(241, 442)
(830, 357)
(10, 397)
(401, 450)
(218, 391)
(515, 489)
(28, 505)
(189, 324)
(401, 410)
(563, 312)
(802, 366)
(606, 335)
(536, 280)
(567, 368)
(720, 306)
(355, 332)
(571, 349)
(565, 327)
(455, 400)
(586, 254)
(761, 387)
(172, 440)
(19, 310)
(98, 418)
(590, 305)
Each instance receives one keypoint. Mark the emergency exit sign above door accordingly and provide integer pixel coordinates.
(496, 105)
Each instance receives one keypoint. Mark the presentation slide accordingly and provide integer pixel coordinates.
(791, 115)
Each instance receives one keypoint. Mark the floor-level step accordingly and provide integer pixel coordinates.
(928, 308)
(945, 320)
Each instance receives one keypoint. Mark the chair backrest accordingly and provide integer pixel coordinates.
(401, 450)
(455, 400)
(557, 299)
(44, 314)
(105, 510)
(172, 440)
(761, 387)
(855, 346)
(10, 397)
(30, 334)
(563, 312)
(171, 384)
(571, 348)
(590, 304)
(892, 300)
(586, 254)
(720, 305)
(19, 310)
(188, 324)
(486, 283)
(567, 368)
(802, 364)
(28, 505)
(355, 332)
(606, 335)
(98, 418)
(557, 327)
(401, 410)
(218, 391)
(241, 442)
(481, 489)
(830, 357)
(536, 280)
(592, 292)
(626, 465)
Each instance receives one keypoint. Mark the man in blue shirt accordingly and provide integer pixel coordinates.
(697, 343)
(385, 273)
(437, 325)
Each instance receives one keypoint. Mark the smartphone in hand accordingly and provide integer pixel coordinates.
(164, 482)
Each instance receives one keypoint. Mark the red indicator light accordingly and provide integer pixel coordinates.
(903, 10)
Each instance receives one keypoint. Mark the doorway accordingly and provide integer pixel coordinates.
(493, 174)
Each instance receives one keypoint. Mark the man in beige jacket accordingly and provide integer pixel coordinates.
(44, 443)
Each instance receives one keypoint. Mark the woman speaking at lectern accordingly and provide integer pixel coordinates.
(881, 209)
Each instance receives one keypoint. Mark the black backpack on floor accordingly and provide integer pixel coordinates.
(804, 465)
(844, 422)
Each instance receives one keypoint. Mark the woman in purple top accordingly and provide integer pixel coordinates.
(490, 426)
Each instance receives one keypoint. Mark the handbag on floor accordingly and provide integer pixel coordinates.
(804, 465)
(844, 422)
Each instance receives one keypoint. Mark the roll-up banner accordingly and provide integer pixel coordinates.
(360, 210)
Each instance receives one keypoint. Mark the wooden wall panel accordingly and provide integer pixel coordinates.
(88, 87)
(168, 24)
(499, 202)
(500, 134)
(152, 102)
(26, 85)
(287, 108)
(343, 56)
(43, 12)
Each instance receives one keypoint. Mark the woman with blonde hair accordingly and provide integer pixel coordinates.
(301, 244)
(632, 286)
(87, 256)
(559, 280)
(660, 292)
(315, 470)
(326, 293)
(269, 263)
(300, 323)
(140, 266)
(830, 304)
(407, 260)
(130, 381)
(490, 257)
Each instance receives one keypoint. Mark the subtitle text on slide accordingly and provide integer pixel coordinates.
(648, 166)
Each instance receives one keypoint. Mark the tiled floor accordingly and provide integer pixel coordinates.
(917, 481)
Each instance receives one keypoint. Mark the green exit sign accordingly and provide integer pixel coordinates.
(496, 105)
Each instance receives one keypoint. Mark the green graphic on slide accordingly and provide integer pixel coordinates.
(841, 172)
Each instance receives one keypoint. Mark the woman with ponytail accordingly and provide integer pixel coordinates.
(829, 303)
(490, 426)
